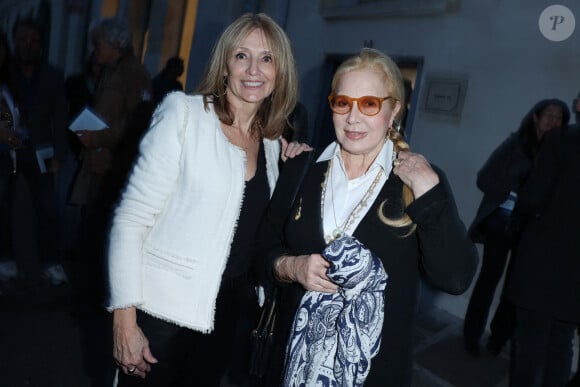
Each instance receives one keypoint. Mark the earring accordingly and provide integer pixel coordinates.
(225, 83)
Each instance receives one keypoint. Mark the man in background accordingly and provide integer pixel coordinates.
(123, 100)
(43, 110)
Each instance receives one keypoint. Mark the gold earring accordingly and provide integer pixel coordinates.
(216, 94)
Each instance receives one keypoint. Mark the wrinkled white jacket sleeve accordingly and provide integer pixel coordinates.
(150, 184)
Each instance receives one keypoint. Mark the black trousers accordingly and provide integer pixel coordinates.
(544, 352)
(495, 256)
(43, 191)
(190, 358)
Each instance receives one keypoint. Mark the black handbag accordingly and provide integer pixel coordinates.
(262, 337)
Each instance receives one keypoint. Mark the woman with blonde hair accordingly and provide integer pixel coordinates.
(181, 237)
(365, 193)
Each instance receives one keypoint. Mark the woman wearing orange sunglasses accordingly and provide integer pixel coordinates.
(385, 203)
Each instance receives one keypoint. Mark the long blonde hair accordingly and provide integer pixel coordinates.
(375, 60)
(272, 116)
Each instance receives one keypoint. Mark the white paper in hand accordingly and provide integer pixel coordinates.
(87, 120)
(43, 154)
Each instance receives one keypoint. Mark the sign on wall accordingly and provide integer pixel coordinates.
(444, 95)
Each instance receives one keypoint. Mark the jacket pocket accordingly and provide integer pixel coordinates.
(178, 265)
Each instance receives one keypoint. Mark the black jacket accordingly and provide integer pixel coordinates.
(504, 171)
(546, 271)
(440, 249)
(43, 108)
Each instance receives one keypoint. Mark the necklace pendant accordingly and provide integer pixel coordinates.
(336, 233)
(298, 211)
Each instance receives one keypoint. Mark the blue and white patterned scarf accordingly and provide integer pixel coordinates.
(335, 336)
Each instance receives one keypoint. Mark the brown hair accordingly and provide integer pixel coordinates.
(375, 60)
(272, 116)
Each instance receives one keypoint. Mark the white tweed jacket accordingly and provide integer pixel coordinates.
(172, 230)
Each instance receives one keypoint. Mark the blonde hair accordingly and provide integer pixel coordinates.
(371, 59)
(272, 116)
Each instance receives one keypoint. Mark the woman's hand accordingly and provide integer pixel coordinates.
(308, 270)
(414, 170)
(130, 346)
(293, 149)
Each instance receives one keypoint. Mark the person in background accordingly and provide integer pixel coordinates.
(496, 224)
(81, 87)
(167, 80)
(575, 381)
(544, 284)
(9, 140)
(123, 100)
(366, 185)
(80, 91)
(181, 239)
(43, 113)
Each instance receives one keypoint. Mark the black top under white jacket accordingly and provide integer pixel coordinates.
(440, 250)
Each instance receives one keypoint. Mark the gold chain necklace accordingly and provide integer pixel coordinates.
(338, 231)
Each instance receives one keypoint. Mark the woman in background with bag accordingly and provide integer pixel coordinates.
(545, 279)
(368, 193)
(496, 225)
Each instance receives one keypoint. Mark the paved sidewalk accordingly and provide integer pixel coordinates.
(441, 361)
(50, 337)
(57, 337)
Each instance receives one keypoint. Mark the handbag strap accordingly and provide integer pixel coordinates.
(268, 316)
(303, 173)
(292, 174)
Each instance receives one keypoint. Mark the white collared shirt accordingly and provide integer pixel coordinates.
(343, 195)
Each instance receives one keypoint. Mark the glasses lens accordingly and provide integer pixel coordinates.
(340, 104)
(369, 105)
